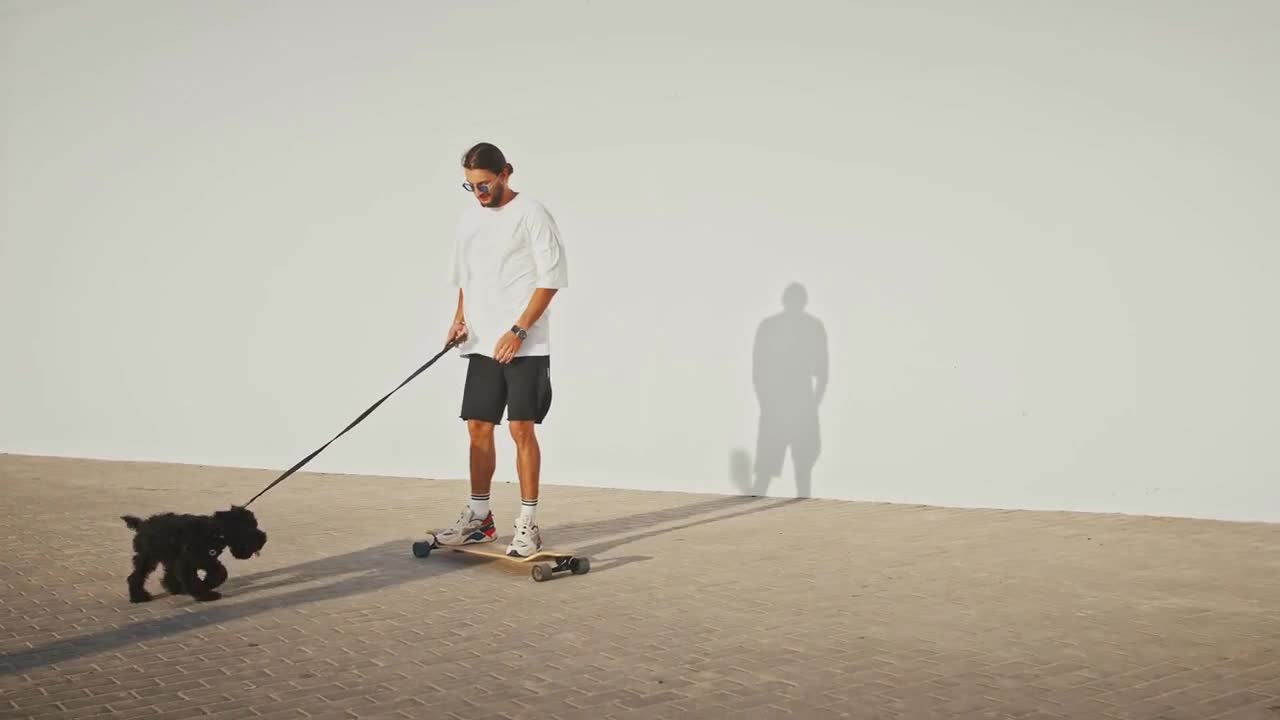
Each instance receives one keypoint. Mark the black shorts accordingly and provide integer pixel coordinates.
(522, 387)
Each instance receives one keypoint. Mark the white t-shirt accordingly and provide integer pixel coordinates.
(500, 256)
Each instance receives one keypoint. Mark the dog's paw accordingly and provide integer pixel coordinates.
(211, 595)
(140, 596)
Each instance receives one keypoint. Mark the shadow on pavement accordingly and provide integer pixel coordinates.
(365, 571)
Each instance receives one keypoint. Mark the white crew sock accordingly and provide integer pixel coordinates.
(528, 508)
(480, 505)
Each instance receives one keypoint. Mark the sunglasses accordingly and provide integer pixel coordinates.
(484, 187)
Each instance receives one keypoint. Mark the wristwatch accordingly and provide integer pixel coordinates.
(519, 331)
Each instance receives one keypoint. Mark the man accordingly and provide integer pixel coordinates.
(508, 263)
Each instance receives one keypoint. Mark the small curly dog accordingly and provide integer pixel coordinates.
(186, 544)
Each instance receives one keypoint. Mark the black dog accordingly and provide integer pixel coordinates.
(186, 544)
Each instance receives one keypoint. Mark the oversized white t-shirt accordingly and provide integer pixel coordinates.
(500, 256)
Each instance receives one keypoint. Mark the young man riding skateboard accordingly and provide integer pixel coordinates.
(508, 263)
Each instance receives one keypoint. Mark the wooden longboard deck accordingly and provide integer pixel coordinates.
(565, 560)
(498, 548)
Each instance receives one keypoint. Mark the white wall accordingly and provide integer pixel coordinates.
(1041, 239)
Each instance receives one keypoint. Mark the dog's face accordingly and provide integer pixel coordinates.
(240, 529)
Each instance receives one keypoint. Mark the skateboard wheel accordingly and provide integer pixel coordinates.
(579, 566)
(421, 549)
(541, 572)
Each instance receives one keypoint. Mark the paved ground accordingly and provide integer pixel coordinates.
(907, 612)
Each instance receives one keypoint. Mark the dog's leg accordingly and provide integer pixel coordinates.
(142, 567)
(215, 575)
(169, 581)
(191, 583)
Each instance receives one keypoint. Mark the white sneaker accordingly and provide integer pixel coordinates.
(468, 529)
(527, 539)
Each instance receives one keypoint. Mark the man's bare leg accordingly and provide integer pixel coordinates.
(527, 538)
(476, 525)
(528, 459)
(483, 457)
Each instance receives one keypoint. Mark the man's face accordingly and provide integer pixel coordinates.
(489, 189)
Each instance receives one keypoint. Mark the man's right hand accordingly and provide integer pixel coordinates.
(457, 331)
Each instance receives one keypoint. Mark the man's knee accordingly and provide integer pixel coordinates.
(481, 432)
(522, 431)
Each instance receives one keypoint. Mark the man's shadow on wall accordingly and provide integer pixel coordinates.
(789, 363)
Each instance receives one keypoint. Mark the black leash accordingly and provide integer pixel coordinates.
(355, 422)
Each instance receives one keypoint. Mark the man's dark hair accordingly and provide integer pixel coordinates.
(486, 156)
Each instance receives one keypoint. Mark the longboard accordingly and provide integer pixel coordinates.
(564, 560)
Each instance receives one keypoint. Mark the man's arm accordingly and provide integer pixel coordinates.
(509, 343)
(458, 330)
(552, 274)
(550, 262)
(537, 305)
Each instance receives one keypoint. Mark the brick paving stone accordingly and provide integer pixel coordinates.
(907, 612)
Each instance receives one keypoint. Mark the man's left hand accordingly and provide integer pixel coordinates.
(505, 352)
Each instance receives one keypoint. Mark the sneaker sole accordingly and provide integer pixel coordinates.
(476, 538)
(512, 552)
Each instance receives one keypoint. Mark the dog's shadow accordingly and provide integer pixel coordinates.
(369, 563)
(365, 571)
(369, 570)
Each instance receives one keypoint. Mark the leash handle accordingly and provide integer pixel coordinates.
(450, 345)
